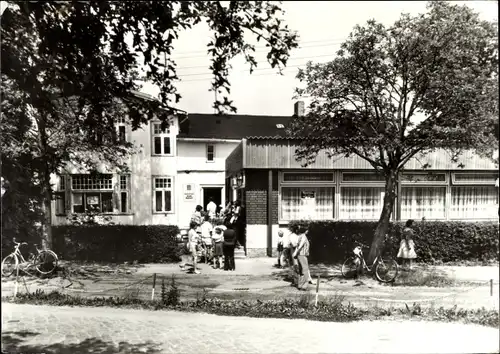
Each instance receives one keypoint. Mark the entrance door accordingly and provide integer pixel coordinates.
(212, 192)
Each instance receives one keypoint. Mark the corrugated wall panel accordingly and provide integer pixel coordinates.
(280, 153)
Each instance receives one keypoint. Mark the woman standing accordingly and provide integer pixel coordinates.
(301, 253)
(407, 246)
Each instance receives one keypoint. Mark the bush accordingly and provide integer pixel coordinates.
(332, 241)
(117, 243)
(331, 310)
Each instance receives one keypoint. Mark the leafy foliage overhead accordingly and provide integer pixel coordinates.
(102, 47)
(427, 82)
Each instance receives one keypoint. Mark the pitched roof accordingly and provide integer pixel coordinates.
(232, 126)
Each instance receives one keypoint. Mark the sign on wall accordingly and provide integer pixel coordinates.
(189, 192)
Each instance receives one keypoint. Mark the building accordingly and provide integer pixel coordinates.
(276, 189)
(174, 170)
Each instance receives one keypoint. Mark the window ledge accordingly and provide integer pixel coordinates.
(163, 212)
(162, 155)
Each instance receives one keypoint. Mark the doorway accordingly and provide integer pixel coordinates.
(212, 192)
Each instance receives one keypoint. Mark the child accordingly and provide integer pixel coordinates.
(218, 239)
(280, 249)
(206, 234)
(191, 245)
(407, 246)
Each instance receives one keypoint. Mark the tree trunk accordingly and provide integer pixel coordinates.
(47, 210)
(385, 216)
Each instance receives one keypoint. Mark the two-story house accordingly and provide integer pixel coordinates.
(172, 172)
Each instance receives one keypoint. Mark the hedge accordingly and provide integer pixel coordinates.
(332, 241)
(117, 243)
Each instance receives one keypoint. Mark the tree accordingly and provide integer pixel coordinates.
(428, 82)
(70, 69)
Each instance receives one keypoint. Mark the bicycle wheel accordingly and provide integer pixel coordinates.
(46, 262)
(386, 270)
(9, 265)
(349, 267)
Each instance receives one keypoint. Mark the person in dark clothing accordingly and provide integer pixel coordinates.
(228, 248)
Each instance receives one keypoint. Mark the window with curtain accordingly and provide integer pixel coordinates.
(361, 203)
(307, 203)
(419, 202)
(474, 202)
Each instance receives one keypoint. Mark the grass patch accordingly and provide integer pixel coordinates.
(333, 309)
(420, 277)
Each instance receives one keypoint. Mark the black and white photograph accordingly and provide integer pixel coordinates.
(249, 177)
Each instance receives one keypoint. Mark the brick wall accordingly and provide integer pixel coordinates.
(256, 196)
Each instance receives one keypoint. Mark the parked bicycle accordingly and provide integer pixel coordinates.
(45, 261)
(385, 269)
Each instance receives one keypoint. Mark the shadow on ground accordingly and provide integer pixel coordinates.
(12, 342)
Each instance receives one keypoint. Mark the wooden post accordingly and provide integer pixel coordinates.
(491, 287)
(153, 290)
(17, 280)
(317, 290)
(270, 214)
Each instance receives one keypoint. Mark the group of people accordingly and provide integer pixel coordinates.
(216, 242)
(293, 252)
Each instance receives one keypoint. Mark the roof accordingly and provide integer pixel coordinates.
(148, 97)
(233, 126)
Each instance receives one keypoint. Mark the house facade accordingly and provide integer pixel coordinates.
(263, 172)
(172, 172)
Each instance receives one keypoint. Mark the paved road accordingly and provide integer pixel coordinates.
(29, 328)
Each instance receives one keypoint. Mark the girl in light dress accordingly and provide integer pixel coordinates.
(407, 246)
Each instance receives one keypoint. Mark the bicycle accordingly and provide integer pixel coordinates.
(45, 261)
(386, 270)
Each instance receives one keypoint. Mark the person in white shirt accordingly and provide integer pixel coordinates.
(191, 246)
(211, 208)
(293, 240)
(206, 238)
(218, 239)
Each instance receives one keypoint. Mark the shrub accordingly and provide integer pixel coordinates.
(438, 241)
(117, 243)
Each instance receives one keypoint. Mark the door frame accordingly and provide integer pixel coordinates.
(222, 197)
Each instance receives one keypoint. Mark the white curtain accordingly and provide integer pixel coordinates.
(318, 207)
(474, 202)
(419, 202)
(361, 203)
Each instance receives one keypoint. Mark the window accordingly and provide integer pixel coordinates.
(210, 152)
(162, 190)
(361, 203)
(434, 178)
(474, 202)
(307, 203)
(362, 177)
(60, 196)
(92, 193)
(474, 178)
(124, 193)
(308, 177)
(162, 142)
(121, 134)
(419, 202)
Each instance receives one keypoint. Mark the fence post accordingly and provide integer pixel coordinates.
(317, 289)
(153, 290)
(491, 287)
(17, 281)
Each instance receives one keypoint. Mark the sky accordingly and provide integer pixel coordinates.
(321, 25)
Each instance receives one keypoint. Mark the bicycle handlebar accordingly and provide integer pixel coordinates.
(19, 243)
